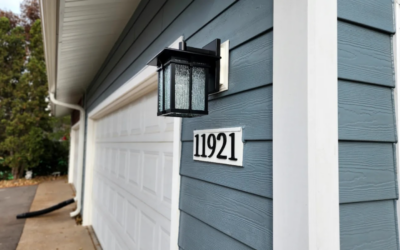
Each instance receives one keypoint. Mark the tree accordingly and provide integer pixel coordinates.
(12, 58)
(13, 18)
(30, 12)
(27, 121)
(27, 131)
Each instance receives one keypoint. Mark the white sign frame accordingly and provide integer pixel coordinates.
(216, 137)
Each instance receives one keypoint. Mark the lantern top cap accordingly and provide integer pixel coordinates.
(167, 53)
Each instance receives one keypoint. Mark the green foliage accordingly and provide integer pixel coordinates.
(27, 137)
(55, 159)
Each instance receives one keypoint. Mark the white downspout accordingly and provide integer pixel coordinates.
(78, 196)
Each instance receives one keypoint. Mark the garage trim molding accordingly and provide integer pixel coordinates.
(72, 157)
(142, 83)
(305, 126)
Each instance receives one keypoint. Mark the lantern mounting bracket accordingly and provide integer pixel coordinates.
(213, 48)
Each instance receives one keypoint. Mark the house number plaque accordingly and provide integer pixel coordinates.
(224, 146)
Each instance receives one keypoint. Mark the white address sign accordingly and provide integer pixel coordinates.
(224, 146)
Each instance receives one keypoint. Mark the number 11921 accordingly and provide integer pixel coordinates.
(217, 147)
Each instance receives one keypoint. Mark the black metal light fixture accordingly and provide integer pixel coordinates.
(185, 79)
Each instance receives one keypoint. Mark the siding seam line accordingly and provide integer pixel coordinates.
(187, 213)
(350, 140)
(221, 185)
(242, 91)
(253, 38)
(364, 82)
(341, 19)
(366, 201)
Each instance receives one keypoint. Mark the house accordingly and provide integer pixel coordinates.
(311, 99)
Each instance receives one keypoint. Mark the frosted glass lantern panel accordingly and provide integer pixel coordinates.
(198, 88)
(160, 90)
(182, 86)
(167, 80)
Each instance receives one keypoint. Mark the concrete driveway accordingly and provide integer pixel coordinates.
(13, 201)
(55, 230)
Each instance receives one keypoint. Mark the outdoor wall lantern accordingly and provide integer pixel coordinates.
(186, 76)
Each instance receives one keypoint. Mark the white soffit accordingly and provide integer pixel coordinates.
(87, 31)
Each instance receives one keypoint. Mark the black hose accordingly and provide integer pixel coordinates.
(46, 210)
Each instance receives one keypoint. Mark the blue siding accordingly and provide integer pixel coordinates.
(198, 235)
(365, 55)
(371, 13)
(251, 110)
(235, 202)
(250, 63)
(255, 177)
(367, 126)
(245, 217)
(367, 171)
(366, 112)
(369, 226)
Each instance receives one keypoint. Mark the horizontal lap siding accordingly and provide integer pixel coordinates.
(251, 110)
(368, 225)
(367, 171)
(372, 13)
(255, 177)
(367, 125)
(365, 55)
(245, 217)
(366, 112)
(226, 207)
(250, 63)
(198, 235)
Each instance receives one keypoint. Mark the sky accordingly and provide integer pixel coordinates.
(12, 5)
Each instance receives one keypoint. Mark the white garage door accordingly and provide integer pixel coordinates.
(132, 177)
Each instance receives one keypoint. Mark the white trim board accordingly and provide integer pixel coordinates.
(305, 122)
(71, 162)
(142, 83)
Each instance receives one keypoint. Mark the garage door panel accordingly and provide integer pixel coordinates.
(167, 178)
(132, 217)
(134, 168)
(114, 161)
(160, 206)
(136, 122)
(123, 162)
(149, 173)
(111, 231)
(143, 226)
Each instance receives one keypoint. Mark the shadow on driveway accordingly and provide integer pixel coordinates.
(13, 201)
